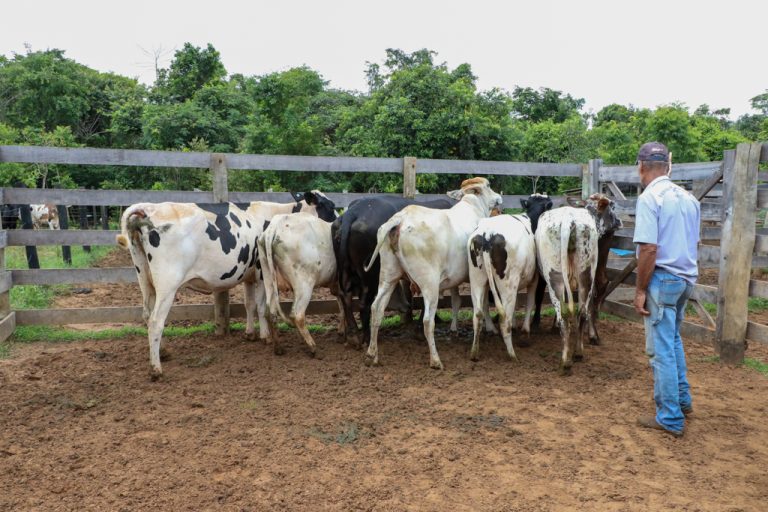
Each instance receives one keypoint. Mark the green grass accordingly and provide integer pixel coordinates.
(757, 304)
(756, 365)
(41, 296)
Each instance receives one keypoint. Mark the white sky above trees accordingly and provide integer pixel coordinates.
(646, 53)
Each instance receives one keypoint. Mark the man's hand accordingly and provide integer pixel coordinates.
(640, 303)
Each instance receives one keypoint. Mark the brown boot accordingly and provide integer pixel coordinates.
(650, 422)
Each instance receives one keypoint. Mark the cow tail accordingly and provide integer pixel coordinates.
(565, 236)
(273, 295)
(382, 235)
(133, 219)
(492, 282)
(343, 255)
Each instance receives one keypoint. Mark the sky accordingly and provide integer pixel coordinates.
(646, 53)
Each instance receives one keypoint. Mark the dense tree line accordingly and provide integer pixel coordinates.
(414, 106)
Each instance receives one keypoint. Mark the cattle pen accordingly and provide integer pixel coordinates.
(732, 241)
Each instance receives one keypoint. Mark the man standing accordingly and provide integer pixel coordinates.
(667, 233)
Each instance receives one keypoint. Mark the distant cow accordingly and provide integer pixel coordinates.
(354, 241)
(44, 215)
(298, 249)
(207, 247)
(429, 248)
(567, 248)
(502, 257)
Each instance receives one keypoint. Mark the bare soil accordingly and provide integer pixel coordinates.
(233, 427)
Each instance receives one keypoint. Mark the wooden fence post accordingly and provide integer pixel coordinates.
(736, 247)
(590, 178)
(409, 177)
(82, 219)
(66, 251)
(218, 169)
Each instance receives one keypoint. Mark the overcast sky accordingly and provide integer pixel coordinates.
(646, 53)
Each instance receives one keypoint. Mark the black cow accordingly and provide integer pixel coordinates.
(354, 240)
(10, 215)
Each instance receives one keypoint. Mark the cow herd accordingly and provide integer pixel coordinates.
(381, 250)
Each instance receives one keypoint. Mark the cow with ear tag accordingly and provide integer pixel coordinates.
(428, 247)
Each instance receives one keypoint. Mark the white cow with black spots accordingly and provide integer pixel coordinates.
(567, 247)
(206, 247)
(428, 247)
(502, 257)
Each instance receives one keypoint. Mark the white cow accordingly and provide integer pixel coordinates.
(566, 242)
(207, 247)
(297, 250)
(429, 248)
(44, 214)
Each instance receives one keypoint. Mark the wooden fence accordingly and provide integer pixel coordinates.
(734, 257)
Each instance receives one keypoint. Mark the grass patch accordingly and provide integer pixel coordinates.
(757, 304)
(756, 365)
(349, 434)
(41, 296)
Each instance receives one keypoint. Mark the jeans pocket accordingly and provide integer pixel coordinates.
(670, 292)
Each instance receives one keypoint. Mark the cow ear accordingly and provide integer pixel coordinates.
(297, 196)
(455, 194)
(548, 206)
(310, 198)
(524, 203)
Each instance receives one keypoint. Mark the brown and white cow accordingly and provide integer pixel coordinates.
(429, 248)
(297, 250)
(567, 249)
(206, 247)
(44, 215)
(502, 257)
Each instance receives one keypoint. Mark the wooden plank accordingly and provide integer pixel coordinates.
(705, 293)
(314, 163)
(218, 168)
(757, 332)
(20, 237)
(736, 247)
(94, 156)
(688, 330)
(6, 281)
(702, 312)
(764, 152)
(74, 276)
(3, 239)
(758, 288)
(103, 197)
(616, 191)
(198, 312)
(710, 211)
(7, 325)
(682, 172)
(762, 198)
(475, 167)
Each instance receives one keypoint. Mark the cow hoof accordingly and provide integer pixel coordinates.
(474, 357)
(250, 336)
(578, 357)
(565, 370)
(165, 355)
(370, 360)
(513, 358)
(315, 353)
(594, 341)
(436, 365)
(155, 375)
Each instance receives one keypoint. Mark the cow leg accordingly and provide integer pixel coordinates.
(455, 305)
(507, 312)
(260, 297)
(479, 294)
(542, 284)
(489, 327)
(556, 288)
(431, 296)
(341, 330)
(302, 294)
(250, 310)
(529, 306)
(155, 330)
(377, 313)
(584, 312)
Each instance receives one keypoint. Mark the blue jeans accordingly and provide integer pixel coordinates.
(666, 298)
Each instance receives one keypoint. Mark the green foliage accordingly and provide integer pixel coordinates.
(415, 106)
(756, 364)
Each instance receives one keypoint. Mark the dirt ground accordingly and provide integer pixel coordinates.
(233, 427)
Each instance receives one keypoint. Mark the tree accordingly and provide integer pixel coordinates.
(544, 104)
(192, 69)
